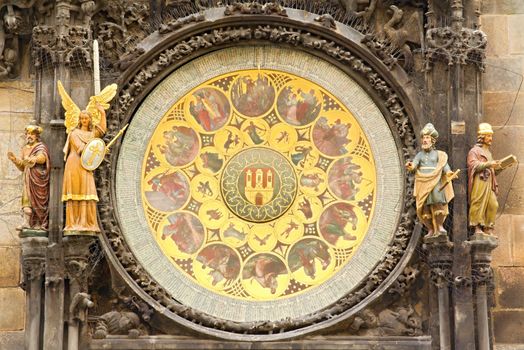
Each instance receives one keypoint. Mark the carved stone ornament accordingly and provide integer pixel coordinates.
(33, 267)
(399, 321)
(33, 257)
(49, 47)
(118, 323)
(79, 305)
(456, 47)
(180, 22)
(482, 274)
(255, 8)
(404, 282)
(441, 276)
(327, 21)
(137, 85)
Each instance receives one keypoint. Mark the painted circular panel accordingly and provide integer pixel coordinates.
(267, 202)
(259, 184)
(252, 94)
(194, 132)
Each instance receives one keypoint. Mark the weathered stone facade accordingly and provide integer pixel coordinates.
(503, 100)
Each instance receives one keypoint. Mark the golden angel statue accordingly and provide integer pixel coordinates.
(79, 190)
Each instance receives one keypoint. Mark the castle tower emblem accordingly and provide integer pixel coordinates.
(259, 188)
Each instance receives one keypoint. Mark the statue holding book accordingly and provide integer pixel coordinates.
(482, 181)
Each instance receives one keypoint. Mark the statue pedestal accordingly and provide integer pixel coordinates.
(440, 258)
(481, 247)
(437, 239)
(31, 232)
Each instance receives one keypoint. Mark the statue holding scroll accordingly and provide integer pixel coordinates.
(34, 163)
(433, 188)
(482, 182)
(78, 190)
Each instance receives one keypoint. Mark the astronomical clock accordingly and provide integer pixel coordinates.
(253, 182)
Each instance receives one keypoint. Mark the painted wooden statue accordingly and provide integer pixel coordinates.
(79, 190)
(482, 182)
(433, 189)
(34, 163)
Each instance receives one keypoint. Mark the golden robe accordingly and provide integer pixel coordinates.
(79, 190)
(482, 188)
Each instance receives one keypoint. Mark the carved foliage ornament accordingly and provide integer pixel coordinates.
(456, 47)
(255, 8)
(275, 34)
(49, 47)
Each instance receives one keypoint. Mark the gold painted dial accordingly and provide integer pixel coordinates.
(258, 185)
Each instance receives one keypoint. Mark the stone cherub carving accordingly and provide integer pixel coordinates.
(433, 190)
(79, 191)
(482, 182)
(35, 165)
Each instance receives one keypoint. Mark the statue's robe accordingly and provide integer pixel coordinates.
(79, 190)
(36, 186)
(482, 188)
(431, 166)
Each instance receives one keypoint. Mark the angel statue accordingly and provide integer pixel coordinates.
(79, 190)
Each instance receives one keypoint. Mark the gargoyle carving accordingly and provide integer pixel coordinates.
(359, 8)
(409, 32)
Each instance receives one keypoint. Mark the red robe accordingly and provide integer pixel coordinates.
(37, 182)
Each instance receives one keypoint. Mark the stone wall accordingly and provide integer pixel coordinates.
(16, 110)
(503, 22)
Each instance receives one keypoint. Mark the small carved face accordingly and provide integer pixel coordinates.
(31, 138)
(85, 120)
(488, 139)
(427, 142)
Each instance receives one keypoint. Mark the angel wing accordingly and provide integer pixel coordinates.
(71, 109)
(103, 98)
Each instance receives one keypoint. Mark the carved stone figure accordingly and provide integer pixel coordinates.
(432, 188)
(408, 32)
(396, 321)
(79, 191)
(118, 322)
(482, 182)
(35, 165)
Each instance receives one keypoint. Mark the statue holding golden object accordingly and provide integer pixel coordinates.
(482, 181)
(83, 151)
(433, 189)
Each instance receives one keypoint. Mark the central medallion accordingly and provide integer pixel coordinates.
(259, 184)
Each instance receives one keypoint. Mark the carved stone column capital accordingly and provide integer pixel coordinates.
(440, 258)
(482, 246)
(76, 257)
(33, 257)
(455, 47)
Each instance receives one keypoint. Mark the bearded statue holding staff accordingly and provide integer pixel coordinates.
(34, 163)
(82, 148)
(433, 189)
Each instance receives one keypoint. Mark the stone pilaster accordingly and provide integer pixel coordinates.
(440, 260)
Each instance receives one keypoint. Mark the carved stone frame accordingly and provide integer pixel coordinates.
(390, 90)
